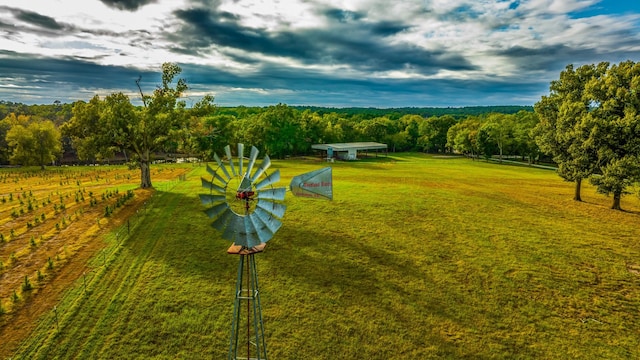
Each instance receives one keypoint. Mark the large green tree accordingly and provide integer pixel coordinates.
(463, 137)
(114, 124)
(614, 124)
(524, 143)
(35, 143)
(433, 133)
(495, 134)
(562, 131)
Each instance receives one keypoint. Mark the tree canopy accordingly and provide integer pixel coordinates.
(32, 141)
(103, 127)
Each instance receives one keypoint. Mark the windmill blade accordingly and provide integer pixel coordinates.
(215, 174)
(270, 221)
(245, 184)
(210, 199)
(227, 151)
(220, 223)
(264, 233)
(211, 186)
(270, 179)
(273, 208)
(272, 194)
(233, 228)
(215, 211)
(221, 166)
(250, 235)
(266, 162)
(252, 160)
(240, 158)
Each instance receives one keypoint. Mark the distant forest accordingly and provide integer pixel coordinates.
(61, 112)
(367, 113)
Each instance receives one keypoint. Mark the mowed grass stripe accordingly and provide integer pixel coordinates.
(416, 257)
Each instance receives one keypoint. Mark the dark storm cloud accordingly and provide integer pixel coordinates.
(68, 73)
(353, 43)
(311, 87)
(388, 28)
(128, 5)
(558, 56)
(343, 16)
(32, 22)
(78, 79)
(36, 19)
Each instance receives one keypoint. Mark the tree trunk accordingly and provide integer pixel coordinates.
(616, 201)
(577, 196)
(145, 174)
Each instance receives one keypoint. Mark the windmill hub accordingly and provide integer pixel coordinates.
(245, 195)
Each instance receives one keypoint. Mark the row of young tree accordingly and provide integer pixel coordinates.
(588, 124)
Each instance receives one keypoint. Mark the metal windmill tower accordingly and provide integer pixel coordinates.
(246, 209)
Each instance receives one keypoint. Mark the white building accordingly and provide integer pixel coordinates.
(349, 151)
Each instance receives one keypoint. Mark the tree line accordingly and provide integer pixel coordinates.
(588, 125)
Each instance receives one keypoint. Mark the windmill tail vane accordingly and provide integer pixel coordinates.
(314, 184)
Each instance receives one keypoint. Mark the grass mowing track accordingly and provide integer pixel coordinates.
(416, 257)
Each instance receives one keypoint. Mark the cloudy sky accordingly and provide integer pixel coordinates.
(372, 53)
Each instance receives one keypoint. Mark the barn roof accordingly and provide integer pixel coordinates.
(350, 146)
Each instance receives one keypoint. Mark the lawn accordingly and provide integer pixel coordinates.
(416, 257)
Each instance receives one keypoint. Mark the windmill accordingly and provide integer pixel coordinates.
(246, 209)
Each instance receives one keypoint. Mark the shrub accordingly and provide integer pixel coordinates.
(32, 241)
(49, 263)
(40, 276)
(15, 297)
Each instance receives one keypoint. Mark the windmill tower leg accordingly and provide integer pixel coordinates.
(247, 329)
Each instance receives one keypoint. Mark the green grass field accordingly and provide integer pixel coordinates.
(417, 257)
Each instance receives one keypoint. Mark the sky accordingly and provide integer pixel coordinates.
(334, 53)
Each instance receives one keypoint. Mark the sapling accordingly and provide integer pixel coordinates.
(26, 286)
